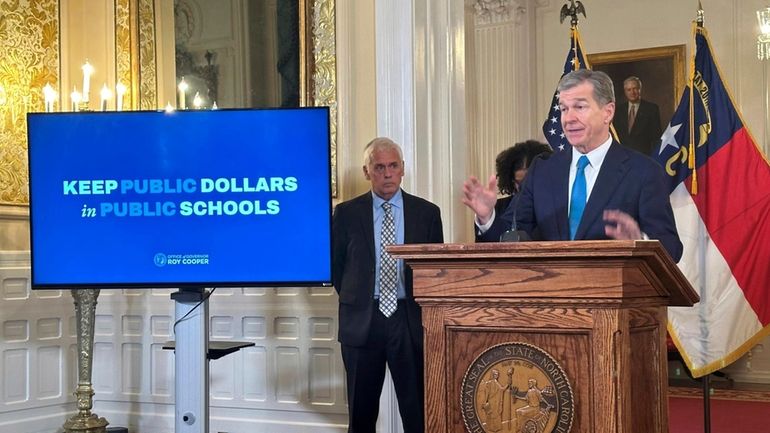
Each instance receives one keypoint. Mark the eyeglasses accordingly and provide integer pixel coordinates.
(380, 168)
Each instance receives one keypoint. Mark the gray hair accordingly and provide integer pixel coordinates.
(379, 144)
(634, 79)
(604, 91)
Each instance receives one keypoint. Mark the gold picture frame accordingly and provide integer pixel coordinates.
(661, 70)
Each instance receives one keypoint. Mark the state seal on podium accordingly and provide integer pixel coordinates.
(519, 388)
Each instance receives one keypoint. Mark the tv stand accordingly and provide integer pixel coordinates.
(193, 350)
(191, 368)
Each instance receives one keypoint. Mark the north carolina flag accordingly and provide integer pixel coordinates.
(552, 125)
(722, 211)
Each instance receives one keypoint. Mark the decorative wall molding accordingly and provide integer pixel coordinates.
(291, 381)
(124, 49)
(497, 11)
(29, 41)
(324, 82)
(146, 78)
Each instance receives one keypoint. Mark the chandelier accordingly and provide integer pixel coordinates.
(763, 39)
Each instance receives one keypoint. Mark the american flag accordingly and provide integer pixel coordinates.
(552, 125)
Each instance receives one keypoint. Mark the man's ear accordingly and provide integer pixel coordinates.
(610, 112)
(366, 173)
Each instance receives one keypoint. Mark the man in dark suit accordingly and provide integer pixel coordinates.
(637, 121)
(379, 321)
(596, 190)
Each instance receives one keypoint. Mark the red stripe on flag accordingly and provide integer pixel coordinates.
(734, 203)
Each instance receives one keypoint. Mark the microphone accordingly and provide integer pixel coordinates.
(514, 234)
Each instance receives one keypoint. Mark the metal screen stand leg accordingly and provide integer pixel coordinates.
(191, 365)
(706, 404)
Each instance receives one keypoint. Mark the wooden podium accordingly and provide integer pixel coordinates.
(597, 309)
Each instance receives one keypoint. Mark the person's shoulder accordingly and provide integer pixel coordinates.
(550, 161)
(636, 158)
(413, 200)
(647, 103)
(354, 202)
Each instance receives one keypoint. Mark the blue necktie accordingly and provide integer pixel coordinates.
(578, 201)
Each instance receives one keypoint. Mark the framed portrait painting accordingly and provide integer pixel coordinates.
(660, 69)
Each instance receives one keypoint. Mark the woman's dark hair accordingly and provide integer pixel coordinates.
(514, 158)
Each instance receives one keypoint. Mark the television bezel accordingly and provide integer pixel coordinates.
(177, 285)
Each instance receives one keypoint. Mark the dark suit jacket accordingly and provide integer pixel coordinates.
(628, 181)
(353, 261)
(645, 135)
(500, 208)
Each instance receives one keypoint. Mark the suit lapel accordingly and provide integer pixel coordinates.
(610, 177)
(560, 192)
(366, 222)
(409, 217)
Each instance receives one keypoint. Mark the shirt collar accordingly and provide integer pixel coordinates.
(596, 156)
(397, 200)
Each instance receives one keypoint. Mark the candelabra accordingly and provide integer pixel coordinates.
(85, 313)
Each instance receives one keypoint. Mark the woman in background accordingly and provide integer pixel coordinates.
(511, 167)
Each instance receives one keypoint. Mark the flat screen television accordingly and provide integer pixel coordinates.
(216, 198)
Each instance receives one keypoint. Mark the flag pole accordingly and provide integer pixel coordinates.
(696, 27)
(574, 40)
(690, 84)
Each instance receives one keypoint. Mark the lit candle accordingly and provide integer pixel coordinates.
(197, 101)
(169, 108)
(182, 91)
(105, 94)
(214, 106)
(120, 90)
(88, 70)
(49, 95)
(76, 97)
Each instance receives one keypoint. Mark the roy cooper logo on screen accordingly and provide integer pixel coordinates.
(162, 260)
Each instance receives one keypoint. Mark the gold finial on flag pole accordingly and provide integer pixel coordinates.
(699, 19)
(573, 10)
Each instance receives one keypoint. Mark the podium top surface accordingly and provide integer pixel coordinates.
(622, 261)
(608, 248)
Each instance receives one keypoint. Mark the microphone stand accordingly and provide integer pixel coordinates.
(513, 234)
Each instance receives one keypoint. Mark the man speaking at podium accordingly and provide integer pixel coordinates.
(379, 321)
(596, 190)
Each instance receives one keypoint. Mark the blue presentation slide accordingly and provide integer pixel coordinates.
(180, 198)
